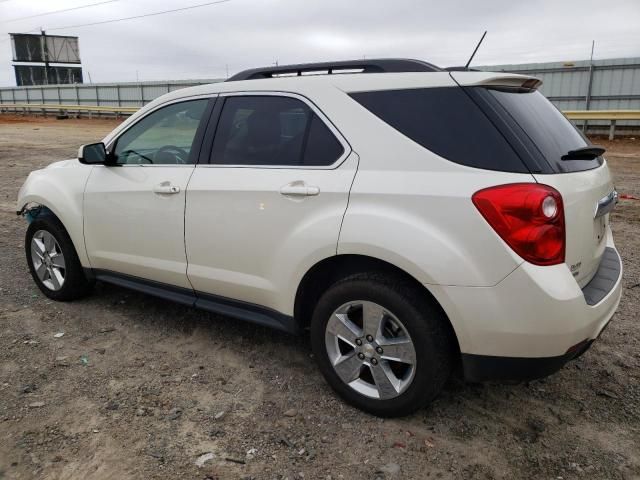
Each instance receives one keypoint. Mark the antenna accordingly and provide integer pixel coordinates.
(476, 49)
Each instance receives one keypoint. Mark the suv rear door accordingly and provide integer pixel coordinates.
(268, 200)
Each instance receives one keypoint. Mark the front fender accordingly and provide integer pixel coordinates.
(60, 188)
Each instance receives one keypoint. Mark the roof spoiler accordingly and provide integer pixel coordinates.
(490, 79)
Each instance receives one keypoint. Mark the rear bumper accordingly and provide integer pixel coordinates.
(479, 368)
(534, 321)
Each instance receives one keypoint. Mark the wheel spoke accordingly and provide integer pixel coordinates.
(41, 271)
(56, 278)
(49, 242)
(343, 328)
(386, 382)
(372, 315)
(348, 367)
(399, 350)
(58, 274)
(57, 260)
(37, 246)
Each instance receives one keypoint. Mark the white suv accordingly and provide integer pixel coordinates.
(411, 218)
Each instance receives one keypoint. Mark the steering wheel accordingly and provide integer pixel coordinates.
(178, 155)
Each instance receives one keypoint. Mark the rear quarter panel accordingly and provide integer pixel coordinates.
(413, 208)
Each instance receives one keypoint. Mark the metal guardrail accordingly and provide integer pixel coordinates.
(611, 115)
(65, 109)
(606, 115)
(602, 114)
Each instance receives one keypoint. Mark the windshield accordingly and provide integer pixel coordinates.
(547, 127)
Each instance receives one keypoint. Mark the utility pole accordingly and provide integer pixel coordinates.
(45, 55)
(588, 97)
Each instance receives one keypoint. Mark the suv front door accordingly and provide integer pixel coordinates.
(134, 209)
(269, 203)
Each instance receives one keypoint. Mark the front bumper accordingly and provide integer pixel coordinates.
(534, 321)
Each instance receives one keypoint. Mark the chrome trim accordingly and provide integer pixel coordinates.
(606, 204)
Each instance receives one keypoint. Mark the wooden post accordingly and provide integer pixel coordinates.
(612, 129)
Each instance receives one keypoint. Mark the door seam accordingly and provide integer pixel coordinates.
(344, 214)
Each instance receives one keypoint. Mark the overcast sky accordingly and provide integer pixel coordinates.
(202, 42)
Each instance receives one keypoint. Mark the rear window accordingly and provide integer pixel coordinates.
(552, 134)
(447, 122)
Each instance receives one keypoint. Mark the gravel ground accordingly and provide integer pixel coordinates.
(138, 387)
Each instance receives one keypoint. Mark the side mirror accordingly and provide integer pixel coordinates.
(93, 154)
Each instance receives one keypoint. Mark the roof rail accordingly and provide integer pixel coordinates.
(380, 65)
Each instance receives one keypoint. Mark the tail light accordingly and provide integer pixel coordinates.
(529, 217)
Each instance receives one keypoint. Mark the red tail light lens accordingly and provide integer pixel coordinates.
(529, 217)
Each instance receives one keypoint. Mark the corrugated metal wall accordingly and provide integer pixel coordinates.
(101, 94)
(615, 84)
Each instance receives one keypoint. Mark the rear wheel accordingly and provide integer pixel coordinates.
(381, 344)
(53, 261)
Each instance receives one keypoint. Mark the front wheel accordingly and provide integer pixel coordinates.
(53, 260)
(381, 344)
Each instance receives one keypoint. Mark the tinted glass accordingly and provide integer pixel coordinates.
(322, 148)
(547, 127)
(270, 130)
(447, 122)
(163, 137)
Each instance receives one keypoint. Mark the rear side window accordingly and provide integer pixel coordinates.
(447, 122)
(552, 134)
(274, 131)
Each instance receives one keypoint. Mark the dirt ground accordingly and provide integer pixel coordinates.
(141, 388)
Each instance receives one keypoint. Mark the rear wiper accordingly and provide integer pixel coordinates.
(585, 153)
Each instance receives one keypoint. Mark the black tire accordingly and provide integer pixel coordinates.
(423, 320)
(76, 284)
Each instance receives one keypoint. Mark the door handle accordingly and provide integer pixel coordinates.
(165, 188)
(300, 190)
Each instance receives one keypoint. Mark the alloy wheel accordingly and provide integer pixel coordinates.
(370, 349)
(48, 260)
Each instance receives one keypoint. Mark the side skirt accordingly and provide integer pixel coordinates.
(245, 311)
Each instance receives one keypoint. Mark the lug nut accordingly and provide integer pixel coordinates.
(358, 342)
(374, 361)
(361, 356)
(379, 350)
(369, 338)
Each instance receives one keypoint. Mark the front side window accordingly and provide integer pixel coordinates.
(164, 137)
(272, 130)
